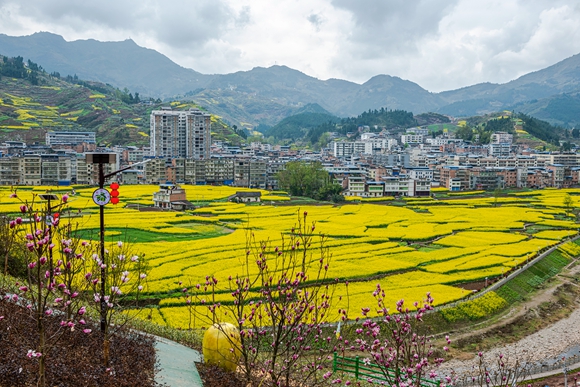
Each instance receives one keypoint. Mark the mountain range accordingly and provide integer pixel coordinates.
(267, 95)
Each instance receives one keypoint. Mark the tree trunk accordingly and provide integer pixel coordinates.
(106, 346)
(41, 349)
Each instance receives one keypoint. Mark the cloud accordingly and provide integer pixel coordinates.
(171, 22)
(315, 20)
(448, 44)
(439, 44)
(393, 26)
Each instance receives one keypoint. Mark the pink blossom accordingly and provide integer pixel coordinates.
(31, 353)
(23, 208)
(82, 311)
(87, 331)
(64, 198)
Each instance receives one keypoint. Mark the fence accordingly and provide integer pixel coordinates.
(367, 370)
(364, 369)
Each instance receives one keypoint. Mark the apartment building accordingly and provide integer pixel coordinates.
(70, 138)
(412, 139)
(502, 138)
(180, 134)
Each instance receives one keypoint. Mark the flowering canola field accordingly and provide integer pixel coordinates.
(427, 245)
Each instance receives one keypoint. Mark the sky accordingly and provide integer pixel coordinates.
(438, 44)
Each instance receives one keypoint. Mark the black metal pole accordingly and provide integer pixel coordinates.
(102, 247)
(48, 219)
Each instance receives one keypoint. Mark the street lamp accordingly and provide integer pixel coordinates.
(101, 197)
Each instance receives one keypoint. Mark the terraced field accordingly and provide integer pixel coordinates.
(425, 245)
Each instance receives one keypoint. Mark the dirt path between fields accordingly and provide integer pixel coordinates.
(547, 343)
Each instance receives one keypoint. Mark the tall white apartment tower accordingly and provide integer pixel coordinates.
(180, 134)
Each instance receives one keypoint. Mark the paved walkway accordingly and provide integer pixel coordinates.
(176, 364)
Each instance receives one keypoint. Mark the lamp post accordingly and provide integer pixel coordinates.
(101, 197)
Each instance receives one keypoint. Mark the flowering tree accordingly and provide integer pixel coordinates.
(397, 343)
(122, 274)
(282, 309)
(46, 291)
(500, 370)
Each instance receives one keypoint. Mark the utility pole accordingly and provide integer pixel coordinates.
(101, 197)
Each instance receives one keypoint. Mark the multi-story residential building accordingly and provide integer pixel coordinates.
(10, 171)
(82, 172)
(180, 134)
(566, 159)
(455, 178)
(342, 149)
(502, 149)
(167, 195)
(417, 130)
(485, 179)
(220, 171)
(420, 173)
(502, 138)
(558, 175)
(156, 171)
(437, 141)
(250, 173)
(70, 138)
(422, 187)
(400, 185)
(412, 138)
(272, 169)
(356, 185)
(375, 173)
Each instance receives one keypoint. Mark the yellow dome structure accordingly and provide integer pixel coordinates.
(221, 346)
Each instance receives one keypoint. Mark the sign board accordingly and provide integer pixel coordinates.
(101, 196)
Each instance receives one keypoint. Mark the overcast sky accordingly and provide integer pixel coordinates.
(439, 44)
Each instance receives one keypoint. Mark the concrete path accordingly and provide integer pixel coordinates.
(176, 364)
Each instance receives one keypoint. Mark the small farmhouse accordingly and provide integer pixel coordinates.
(171, 197)
(245, 197)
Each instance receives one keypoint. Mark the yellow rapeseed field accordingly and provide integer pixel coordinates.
(409, 252)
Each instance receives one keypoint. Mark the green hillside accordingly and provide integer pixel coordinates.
(33, 102)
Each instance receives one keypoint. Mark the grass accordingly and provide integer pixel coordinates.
(136, 235)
